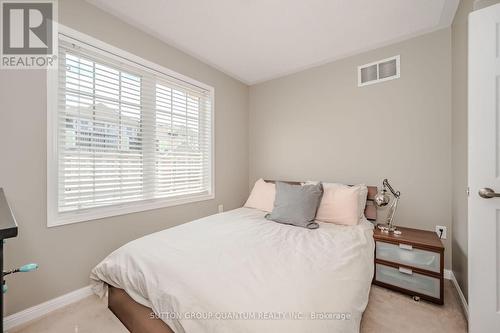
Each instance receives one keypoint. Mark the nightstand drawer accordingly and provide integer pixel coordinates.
(409, 280)
(407, 255)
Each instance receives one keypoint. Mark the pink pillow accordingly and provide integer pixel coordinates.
(262, 196)
(342, 204)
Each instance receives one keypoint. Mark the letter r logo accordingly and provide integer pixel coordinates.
(27, 27)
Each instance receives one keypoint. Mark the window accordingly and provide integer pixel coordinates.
(125, 135)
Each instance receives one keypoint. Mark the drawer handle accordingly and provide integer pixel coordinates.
(405, 247)
(405, 270)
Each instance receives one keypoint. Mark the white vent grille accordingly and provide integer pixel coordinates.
(379, 71)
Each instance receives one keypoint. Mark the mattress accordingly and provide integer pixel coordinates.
(238, 272)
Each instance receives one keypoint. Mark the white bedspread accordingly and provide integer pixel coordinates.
(238, 272)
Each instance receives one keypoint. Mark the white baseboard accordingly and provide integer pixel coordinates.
(42, 309)
(448, 274)
(465, 306)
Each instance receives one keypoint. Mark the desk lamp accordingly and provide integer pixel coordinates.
(383, 199)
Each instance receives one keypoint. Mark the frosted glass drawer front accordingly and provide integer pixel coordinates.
(406, 254)
(406, 279)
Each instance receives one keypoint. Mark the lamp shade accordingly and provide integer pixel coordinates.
(381, 199)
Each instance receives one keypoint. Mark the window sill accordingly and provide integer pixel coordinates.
(116, 210)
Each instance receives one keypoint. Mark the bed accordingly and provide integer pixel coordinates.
(239, 272)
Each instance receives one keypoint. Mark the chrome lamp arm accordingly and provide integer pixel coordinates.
(383, 199)
(386, 184)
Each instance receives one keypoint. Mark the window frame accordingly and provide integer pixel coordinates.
(54, 218)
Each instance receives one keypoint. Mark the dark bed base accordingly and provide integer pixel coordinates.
(136, 317)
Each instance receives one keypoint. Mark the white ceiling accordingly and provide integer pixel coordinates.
(257, 40)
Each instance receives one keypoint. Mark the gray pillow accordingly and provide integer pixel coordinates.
(296, 204)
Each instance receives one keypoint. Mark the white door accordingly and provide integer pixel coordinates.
(484, 170)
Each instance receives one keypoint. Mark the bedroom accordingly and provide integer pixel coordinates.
(157, 113)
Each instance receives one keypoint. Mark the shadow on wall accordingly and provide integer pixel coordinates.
(478, 4)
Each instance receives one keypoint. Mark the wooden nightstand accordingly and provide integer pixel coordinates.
(411, 263)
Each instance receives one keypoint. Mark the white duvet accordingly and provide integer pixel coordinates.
(238, 272)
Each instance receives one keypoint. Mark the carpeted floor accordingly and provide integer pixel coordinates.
(387, 312)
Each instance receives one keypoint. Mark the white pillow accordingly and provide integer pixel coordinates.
(342, 204)
(262, 196)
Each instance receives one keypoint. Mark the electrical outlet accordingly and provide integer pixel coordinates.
(220, 208)
(438, 231)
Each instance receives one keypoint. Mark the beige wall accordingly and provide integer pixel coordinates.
(67, 253)
(459, 143)
(318, 125)
(477, 4)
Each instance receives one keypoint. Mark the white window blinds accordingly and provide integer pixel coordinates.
(127, 133)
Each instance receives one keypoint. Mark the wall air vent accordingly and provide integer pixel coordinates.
(379, 71)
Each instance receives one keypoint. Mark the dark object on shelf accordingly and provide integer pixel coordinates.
(8, 229)
(8, 225)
